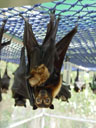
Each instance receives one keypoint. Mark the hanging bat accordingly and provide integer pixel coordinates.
(78, 85)
(19, 91)
(64, 93)
(5, 82)
(45, 63)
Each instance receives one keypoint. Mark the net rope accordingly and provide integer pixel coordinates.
(82, 49)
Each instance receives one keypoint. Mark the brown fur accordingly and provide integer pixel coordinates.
(39, 75)
(55, 89)
(47, 92)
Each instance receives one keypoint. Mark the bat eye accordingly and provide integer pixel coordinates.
(47, 101)
(38, 100)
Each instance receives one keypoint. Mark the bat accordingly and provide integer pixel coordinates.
(78, 85)
(19, 91)
(45, 63)
(5, 80)
(64, 93)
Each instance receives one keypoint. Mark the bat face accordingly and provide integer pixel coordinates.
(43, 98)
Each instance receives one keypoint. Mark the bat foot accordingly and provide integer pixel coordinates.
(52, 106)
(34, 107)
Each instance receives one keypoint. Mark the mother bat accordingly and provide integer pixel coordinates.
(45, 62)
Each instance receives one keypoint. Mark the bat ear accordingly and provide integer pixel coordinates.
(34, 107)
(52, 106)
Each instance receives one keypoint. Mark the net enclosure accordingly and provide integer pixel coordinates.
(82, 49)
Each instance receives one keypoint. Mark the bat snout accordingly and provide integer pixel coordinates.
(43, 92)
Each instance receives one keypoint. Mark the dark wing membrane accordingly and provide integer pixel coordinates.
(64, 93)
(62, 47)
(33, 51)
(48, 45)
(5, 81)
(50, 27)
(19, 85)
(30, 35)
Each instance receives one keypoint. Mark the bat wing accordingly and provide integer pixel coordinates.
(31, 45)
(19, 85)
(62, 47)
(50, 26)
(48, 45)
(64, 93)
(5, 80)
(20, 89)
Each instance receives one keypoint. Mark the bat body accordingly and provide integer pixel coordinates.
(64, 93)
(5, 82)
(79, 85)
(45, 62)
(19, 86)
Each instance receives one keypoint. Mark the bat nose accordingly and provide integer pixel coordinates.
(43, 92)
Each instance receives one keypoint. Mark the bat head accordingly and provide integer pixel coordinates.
(43, 98)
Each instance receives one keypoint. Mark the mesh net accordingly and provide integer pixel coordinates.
(82, 50)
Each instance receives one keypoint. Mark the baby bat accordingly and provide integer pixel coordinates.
(45, 62)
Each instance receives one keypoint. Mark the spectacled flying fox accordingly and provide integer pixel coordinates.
(44, 62)
(4, 83)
